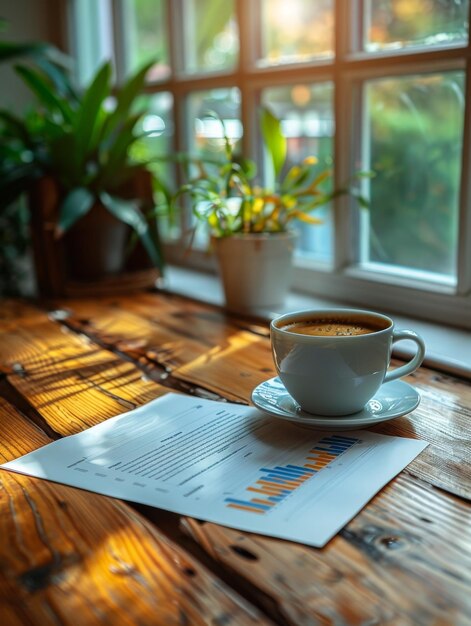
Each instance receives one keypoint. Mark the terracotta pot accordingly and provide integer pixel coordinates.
(255, 269)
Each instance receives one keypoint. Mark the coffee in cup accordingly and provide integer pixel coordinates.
(332, 361)
(332, 328)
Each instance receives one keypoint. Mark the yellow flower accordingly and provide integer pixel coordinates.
(288, 201)
(311, 160)
(294, 171)
(257, 205)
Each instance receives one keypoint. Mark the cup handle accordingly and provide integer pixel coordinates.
(410, 367)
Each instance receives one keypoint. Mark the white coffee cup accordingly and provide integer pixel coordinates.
(337, 374)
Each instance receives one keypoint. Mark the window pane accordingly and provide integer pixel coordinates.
(294, 31)
(145, 24)
(402, 23)
(211, 41)
(306, 113)
(415, 129)
(206, 133)
(158, 129)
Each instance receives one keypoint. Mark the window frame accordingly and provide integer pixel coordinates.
(349, 68)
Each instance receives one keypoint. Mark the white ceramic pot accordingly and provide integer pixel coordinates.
(255, 269)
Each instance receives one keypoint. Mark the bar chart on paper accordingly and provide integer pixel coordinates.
(278, 482)
(227, 464)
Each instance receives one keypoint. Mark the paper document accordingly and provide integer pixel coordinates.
(228, 464)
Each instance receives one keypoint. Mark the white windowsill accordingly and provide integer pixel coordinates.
(448, 348)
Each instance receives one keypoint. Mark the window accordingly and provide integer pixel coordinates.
(362, 84)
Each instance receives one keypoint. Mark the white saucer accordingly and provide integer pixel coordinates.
(392, 400)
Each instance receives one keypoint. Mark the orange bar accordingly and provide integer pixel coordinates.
(260, 501)
(266, 491)
(314, 451)
(260, 484)
(288, 481)
(280, 487)
(245, 508)
(322, 456)
(311, 466)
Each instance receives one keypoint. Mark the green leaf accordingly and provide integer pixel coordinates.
(76, 204)
(248, 167)
(128, 212)
(9, 50)
(364, 174)
(274, 139)
(36, 49)
(14, 182)
(16, 126)
(117, 154)
(362, 200)
(42, 88)
(125, 99)
(59, 77)
(88, 114)
(63, 160)
(160, 187)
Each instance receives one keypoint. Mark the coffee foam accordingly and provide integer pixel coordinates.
(333, 327)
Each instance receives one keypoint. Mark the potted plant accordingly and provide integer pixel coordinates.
(250, 225)
(14, 218)
(72, 155)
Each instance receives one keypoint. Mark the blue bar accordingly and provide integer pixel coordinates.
(283, 470)
(338, 447)
(281, 473)
(337, 442)
(286, 475)
(340, 438)
(278, 481)
(291, 472)
(282, 477)
(281, 492)
(254, 505)
(303, 469)
(332, 449)
(275, 498)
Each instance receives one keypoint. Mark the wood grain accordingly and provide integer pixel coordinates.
(405, 559)
(72, 383)
(73, 557)
(181, 340)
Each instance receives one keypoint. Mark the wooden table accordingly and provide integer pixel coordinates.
(72, 557)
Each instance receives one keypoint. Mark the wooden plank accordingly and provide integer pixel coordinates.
(442, 418)
(72, 383)
(405, 559)
(73, 557)
(353, 557)
(14, 312)
(178, 338)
